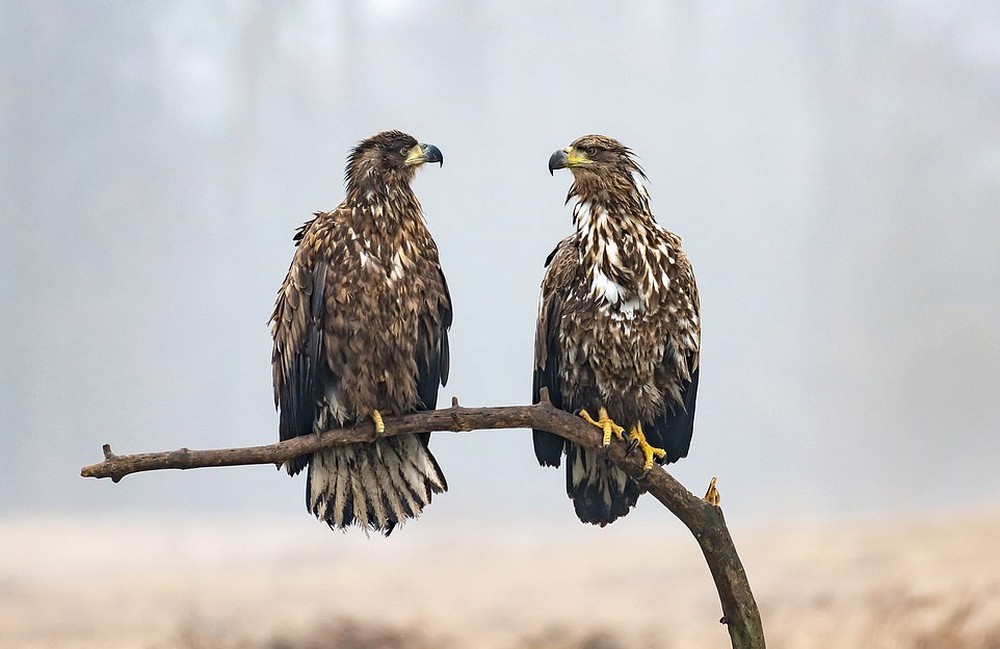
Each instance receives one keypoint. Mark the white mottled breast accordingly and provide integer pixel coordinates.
(613, 298)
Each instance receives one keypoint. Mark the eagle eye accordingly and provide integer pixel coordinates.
(591, 151)
(404, 151)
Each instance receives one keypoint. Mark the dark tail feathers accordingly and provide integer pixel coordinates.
(601, 492)
(375, 485)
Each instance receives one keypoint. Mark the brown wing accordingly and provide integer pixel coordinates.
(433, 352)
(673, 428)
(560, 266)
(297, 326)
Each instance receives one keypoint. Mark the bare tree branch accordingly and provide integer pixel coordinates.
(703, 517)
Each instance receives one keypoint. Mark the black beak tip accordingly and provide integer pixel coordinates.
(557, 161)
(433, 154)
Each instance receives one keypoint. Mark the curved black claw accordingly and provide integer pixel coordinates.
(632, 444)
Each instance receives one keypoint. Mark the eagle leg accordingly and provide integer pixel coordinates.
(606, 424)
(648, 450)
(379, 424)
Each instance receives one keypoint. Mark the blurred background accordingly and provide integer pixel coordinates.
(834, 170)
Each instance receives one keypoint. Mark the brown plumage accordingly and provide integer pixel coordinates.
(361, 325)
(618, 325)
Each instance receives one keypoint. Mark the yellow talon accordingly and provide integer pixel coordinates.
(712, 496)
(379, 424)
(604, 423)
(648, 450)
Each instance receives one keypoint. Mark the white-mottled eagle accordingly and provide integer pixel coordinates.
(618, 330)
(360, 328)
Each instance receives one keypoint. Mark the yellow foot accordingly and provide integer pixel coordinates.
(379, 424)
(712, 496)
(604, 423)
(649, 451)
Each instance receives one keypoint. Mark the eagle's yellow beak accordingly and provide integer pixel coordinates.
(424, 153)
(568, 157)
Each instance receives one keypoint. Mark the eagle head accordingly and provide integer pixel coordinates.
(595, 155)
(388, 157)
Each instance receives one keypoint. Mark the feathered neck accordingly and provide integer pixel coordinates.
(609, 207)
(614, 226)
(621, 195)
(383, 204)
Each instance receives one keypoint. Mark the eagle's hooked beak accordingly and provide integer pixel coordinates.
(568, 157)
(424, 153)
(558, 160)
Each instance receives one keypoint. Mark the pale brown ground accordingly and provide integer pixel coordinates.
(289, 583)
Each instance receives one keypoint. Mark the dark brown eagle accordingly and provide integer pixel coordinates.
(618, 331)
(360, 328)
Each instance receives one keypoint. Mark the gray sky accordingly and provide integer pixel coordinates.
(834, 171)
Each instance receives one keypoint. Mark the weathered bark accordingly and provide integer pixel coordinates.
(701, 515)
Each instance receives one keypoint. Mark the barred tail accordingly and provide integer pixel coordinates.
(375, 485)
(601, 492)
